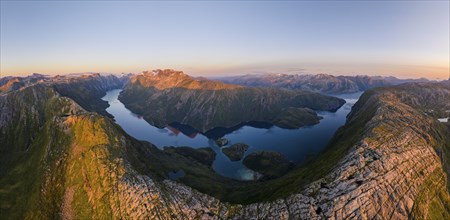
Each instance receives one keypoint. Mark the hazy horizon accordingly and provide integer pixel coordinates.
(402, 39)
(217, 76)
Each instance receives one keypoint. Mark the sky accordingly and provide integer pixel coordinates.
(399, 38)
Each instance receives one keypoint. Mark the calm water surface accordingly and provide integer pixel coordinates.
(294, 144)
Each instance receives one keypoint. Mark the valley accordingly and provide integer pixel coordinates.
(224, 110)
(385, 151)
(166, 96)
(296, 144)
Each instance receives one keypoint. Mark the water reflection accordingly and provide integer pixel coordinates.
(295, 144)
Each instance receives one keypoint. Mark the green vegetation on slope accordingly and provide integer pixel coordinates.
(236, 151)
(68, 162)
(88, 91)
(203, 155)
(433, 201)
(28, 137)
(296, 117)
(166, 97)
(270, 164)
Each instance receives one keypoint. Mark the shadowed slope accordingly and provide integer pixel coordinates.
(166, 96)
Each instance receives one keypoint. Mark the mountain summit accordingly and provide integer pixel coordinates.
(168, 78)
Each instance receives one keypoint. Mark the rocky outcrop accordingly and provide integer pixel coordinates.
(221, 141)
(166, 96)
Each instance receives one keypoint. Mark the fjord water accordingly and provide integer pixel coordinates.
(295, 144)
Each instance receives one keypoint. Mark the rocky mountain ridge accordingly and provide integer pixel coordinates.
(168, 78)
(322, 83)
(11, 83)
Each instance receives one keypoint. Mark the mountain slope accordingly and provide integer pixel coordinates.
(11, 83)
(72, 164)
(388, 161)
(88, 89)
(165, 96)
(322, 83)
(26, 130)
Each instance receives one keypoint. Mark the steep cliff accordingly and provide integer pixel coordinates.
(166, 96)
(87, 90)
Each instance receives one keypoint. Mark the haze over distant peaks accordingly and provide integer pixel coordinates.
(323, 83)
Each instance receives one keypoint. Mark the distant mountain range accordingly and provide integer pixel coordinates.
(11, 83)
(86, 89)
(322, 83)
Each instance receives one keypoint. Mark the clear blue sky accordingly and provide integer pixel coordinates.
(402, 38)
